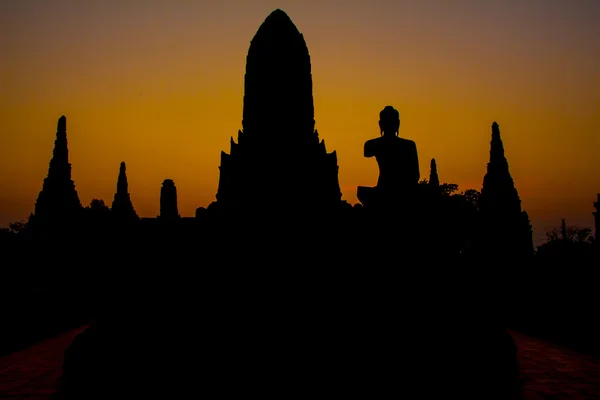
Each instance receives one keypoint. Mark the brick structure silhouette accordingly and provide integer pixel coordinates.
(278, 161)
(122, 207)
(505, 226)
(434, 180)
(168, 201)
(58, 200)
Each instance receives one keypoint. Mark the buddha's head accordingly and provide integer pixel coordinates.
(389, 121)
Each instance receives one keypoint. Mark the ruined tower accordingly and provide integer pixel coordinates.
(434, 180)
(278, 160)
(507, 230)
(58, 200)
(168, 201)
(122, 207)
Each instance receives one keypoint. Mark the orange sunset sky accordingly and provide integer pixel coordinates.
(159, 85)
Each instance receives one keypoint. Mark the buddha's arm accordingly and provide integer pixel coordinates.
(370, 148)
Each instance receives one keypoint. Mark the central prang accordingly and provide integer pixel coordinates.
(278, 160)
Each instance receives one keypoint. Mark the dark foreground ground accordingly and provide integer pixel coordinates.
(548, 371)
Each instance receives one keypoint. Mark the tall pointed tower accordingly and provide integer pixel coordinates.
(434, 180)
(507, 230)
(58, 198)
(278, 160)
(122, 207)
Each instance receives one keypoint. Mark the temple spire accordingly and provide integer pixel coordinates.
(278, 162)
(497, 148)
(61, 151)
(498, 186)
(278, 99)
(434, 181)
(58, 198)
(59, 165)
(122, 207)
(507, 227)
(122, 185)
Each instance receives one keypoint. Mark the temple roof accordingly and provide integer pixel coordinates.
(278, 80)
(278, 14)
(62, 124)
(278, 19)
(277, 26)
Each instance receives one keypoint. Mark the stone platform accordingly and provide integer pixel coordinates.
(548, 371)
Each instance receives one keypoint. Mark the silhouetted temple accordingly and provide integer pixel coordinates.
(339, 323)
(58, 199)
(434, 180)
(278, 160)
(168, 201)
(506, 227)
(122, 207)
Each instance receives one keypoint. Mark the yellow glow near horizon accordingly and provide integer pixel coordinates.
(161, 89)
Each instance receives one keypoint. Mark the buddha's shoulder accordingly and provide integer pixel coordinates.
(373, 143)
(407, 142)
(374, 140)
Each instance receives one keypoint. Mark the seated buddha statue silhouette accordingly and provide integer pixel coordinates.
(398, 163)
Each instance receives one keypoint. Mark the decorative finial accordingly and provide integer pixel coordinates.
(434, 180)
(495, 128)
(62, 124)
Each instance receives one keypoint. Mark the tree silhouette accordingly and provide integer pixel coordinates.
(566, 242)
(14, 230)
(472, 197)
(448, 189)
(98, 204)
(572, 234)
(98, 210)
(17, 227)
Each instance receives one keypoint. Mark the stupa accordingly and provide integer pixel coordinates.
(168, 201)
(122, 207)
(58, 200)
(278, 160)
(434, 180)
(507, 230)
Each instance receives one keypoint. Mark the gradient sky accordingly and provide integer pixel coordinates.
(159, 85)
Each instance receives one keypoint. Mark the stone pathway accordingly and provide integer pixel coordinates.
(553, 372)
(548, 371)
(33, 373)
